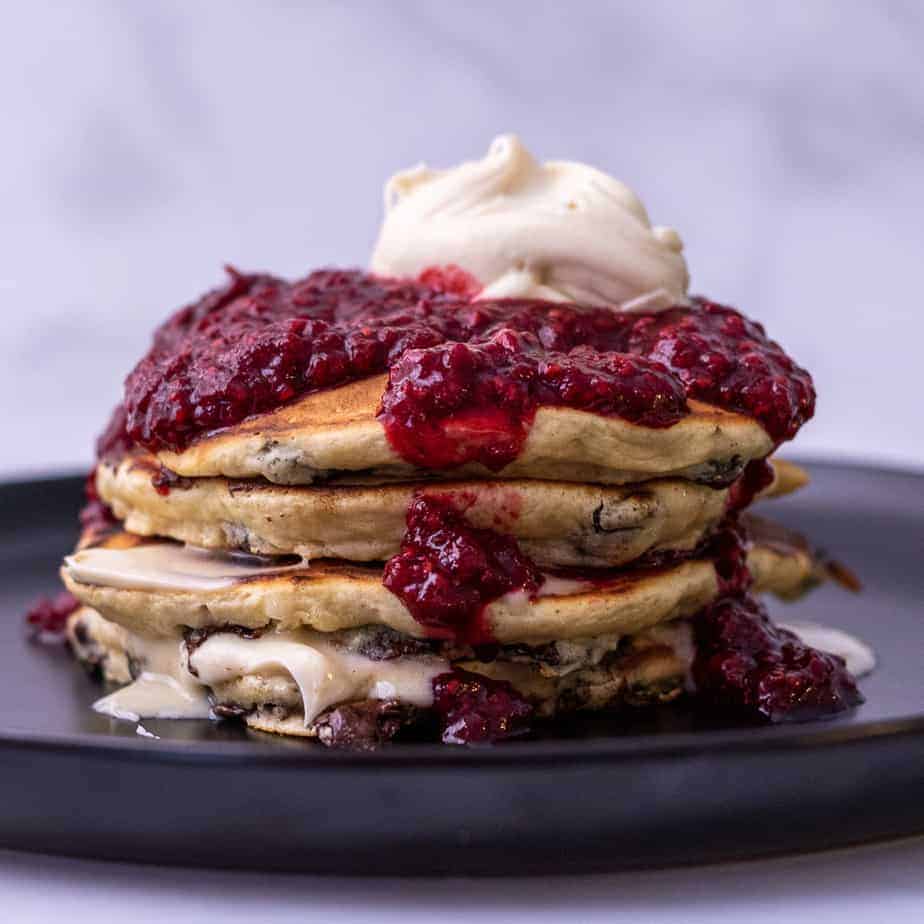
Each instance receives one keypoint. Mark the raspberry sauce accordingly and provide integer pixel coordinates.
(47, 618)
(96, 517)
(465, 402)
(473, 709)
(447, 571)
(727, 360)
(757, 475)
(728, 549)
(450, 279)
(466, 377)
(746, 664)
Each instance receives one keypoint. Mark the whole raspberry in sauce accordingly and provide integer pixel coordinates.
(447, 571)
(474, 709)
(451, 279)
(260, 342)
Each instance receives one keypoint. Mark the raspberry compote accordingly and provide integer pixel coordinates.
(473, 709)
(47, 617)
(451, 279)
(448, 571)
(727, 360)
(728, 549)
(96, 517)
(746, 664)
(475, 402)
(466, 377)
(757, 475)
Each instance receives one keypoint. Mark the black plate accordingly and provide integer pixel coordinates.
(661, 788)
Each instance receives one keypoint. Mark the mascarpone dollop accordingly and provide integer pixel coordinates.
(560, 231)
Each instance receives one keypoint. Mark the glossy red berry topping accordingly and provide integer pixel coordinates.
(757, 475)
(48, 616)
(466, 376)
(467, 402)
(474, 709)
(451, 279)
(448, 571)
(747, 664)
(96, 517)
(726, 359)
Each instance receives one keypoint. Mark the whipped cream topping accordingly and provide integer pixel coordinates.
(560, 231)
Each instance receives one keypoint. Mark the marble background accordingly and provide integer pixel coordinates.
(145, 144)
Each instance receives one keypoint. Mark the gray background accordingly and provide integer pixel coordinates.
(144, 144)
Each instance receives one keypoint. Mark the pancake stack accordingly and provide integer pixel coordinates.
(453, 503)
(288, 570)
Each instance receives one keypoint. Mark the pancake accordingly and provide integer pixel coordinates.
(557, 523)
(159, 588)
(302, 683)
(331, 432)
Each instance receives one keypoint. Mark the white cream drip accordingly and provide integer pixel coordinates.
(164, 690)
(560, 231)
(324, 674)
(555, 586)
(164, 566)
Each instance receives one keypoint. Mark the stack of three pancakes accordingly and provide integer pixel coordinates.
(246, 575)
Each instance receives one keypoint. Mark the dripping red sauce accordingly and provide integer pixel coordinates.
(743, 663)
(757, 475)
(747, 665)
(728, 549)
(475, 402)
(466, 377)
(448, 571)
(96, 517)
